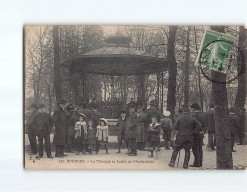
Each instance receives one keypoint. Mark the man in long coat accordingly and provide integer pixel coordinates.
(141, 127)
(43, 124)
(121, 124)
(30, 130)
(186, 125)
(72, 119)
(61, 127)
(131, 129)
(198, 138)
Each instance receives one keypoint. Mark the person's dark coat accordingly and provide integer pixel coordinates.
(234, 123)
(154, 132)
(29, 118)
(73, 118)
(61, 126)
(91, 135)
(42, 123)
(96, 116)
(187, 125)
(201, 117)
(141, 126)
(131, 126)
(121, 124)
(211, 122)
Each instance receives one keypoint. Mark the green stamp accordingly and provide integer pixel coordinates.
(215, 51)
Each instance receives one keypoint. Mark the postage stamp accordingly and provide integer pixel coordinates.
(215, 51)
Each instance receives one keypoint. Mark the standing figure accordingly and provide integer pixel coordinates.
(81, 134)
(198, 138)
(234, 126)
(72, 119)
(121, 124)
(154, 134)
(211, 130)
(31, 130)
(131, 129)
(166, 125)
(141, 127)
(102, 135)
(186, 125)
(61, 128)
(91, 135)
(43, 124)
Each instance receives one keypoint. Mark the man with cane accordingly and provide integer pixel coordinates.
(185, 126)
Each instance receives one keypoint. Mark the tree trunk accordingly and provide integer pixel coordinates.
(242, 55)
(199, 74)
(187, 69)
(221, 115)
(57, 84)
(171, 98)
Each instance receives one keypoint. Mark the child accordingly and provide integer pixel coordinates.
(90, 136)
(154, 134)
(80, 134)
(166, 125)
(102, 135)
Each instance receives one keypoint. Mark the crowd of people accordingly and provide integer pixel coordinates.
(83, 129)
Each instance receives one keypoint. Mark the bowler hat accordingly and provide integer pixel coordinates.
(61, 101)
(41, 105)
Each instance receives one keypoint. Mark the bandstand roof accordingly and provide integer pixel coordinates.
(116, 60)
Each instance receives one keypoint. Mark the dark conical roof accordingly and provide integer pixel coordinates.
(117, 59)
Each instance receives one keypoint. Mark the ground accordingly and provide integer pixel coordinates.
(123, 161)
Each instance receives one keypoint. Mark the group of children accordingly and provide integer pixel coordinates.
(88, 137)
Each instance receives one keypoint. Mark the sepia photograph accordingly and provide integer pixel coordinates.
(134, 97)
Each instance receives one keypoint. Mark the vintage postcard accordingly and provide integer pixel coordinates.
(135, 97)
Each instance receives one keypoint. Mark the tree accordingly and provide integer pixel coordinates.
(221, 115)
(171, 99)
(187, 68)
(57, 84)
(241, 64)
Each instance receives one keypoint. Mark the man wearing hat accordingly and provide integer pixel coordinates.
(131, 129)
(121, 124)
(30, 130)
(186, 125)
(43, 124)
(72, 119)
(141, 126)
(198, 138)
(166, 125)
(61, 128)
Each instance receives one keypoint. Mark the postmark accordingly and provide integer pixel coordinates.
(218, 52)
